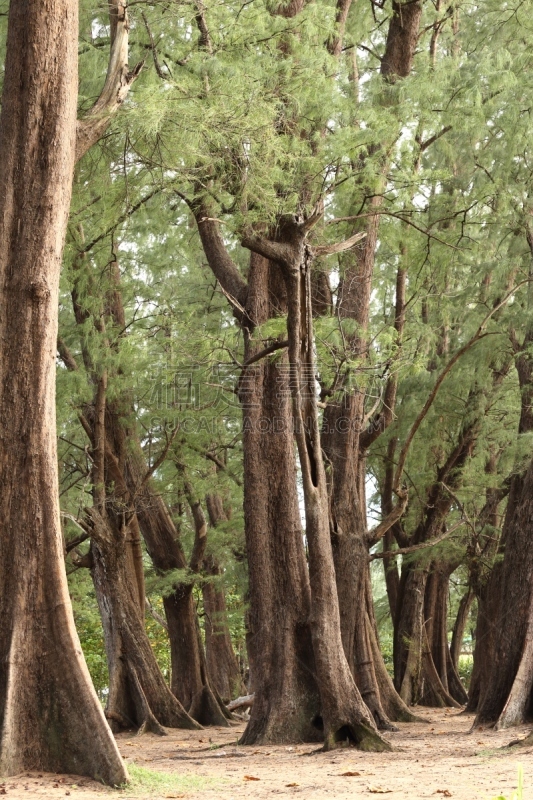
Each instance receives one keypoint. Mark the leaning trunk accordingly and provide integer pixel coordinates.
(138, 694)
(50, 717)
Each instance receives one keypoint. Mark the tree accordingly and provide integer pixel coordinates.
(49, 712)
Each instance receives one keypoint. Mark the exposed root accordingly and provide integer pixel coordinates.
(356, 735)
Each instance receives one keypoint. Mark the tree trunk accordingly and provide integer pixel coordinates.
(138, 694)
(344, 714)
(189, 680)
(460, 626)
(507, 696)
(279, 640)
(50, 717)
(224, 672)
(436, 621)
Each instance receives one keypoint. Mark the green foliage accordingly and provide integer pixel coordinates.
(143, 781)
(519, 794)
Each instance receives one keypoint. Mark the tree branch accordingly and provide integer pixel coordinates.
(385, 525)
(339, 247)
(451, 363)
(117, 83)
(401, 551)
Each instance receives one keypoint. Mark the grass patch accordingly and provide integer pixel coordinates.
(154, 783)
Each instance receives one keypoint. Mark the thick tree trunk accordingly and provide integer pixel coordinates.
(138, 694)
(50, 717)
(507, 694)
(279, 640)
(344, 714)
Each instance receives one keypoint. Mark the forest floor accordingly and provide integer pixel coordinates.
(437, 759)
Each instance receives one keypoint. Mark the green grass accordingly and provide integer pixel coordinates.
(153, 783)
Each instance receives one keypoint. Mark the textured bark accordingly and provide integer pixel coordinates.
(415, 674)
(138, 694)
(135, 498)
(279, 638)
(343, 438)
(436, 620)
(343, 713)
(506, 694)
(50, 717)
(189, 680)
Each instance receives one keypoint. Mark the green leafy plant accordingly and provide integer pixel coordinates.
(519, 794)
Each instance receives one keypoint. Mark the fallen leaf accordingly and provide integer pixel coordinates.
(292, 784)
(444, 792)
(379, 790)
(250, 778)
(350, 774)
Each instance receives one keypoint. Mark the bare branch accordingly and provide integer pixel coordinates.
(266, 352)
(117, 83)
(401, 551)
(274, 251)
(385, 525)
(339, 247)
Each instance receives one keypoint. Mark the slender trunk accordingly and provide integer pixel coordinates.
(189, 679)
(459, 626)
(138, 694)
(50, 717)
(436, 619)
(126, 463)
(222, 665)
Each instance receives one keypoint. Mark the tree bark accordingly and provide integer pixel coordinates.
(222, 666)
(148, 514)
(278, 638)
(138, 694)
(50, 717)
(343, 713)
(506, 696)
(459, 626)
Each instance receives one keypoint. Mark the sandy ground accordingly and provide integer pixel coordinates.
(438, 759)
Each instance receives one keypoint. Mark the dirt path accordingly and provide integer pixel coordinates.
(439, 759)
